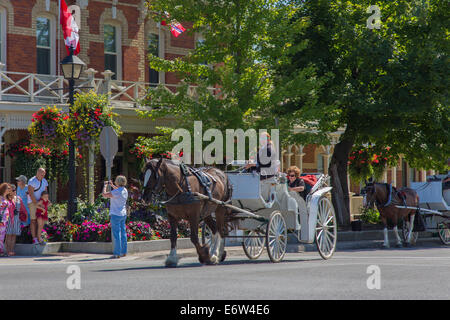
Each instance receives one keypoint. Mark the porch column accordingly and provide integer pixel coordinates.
(282, 160)
(423, 175)
(108, 78)
(299, 157)
(7, 140)
(385, 175)
(326, 158)
(394, 176)
(289, 155)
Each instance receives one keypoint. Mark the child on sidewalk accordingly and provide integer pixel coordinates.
(42, 213)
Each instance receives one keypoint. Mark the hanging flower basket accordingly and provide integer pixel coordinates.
(90, 114)
(47, 127)
(367, 162)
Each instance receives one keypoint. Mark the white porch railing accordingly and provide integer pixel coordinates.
(38, 88)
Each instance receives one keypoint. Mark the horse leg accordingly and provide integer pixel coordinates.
(410, 229)
(399, 241)
(172, 259)
(202, 251)
(220, 214)
(209, 221)
(385, 231)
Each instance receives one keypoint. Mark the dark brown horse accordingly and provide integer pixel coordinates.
(386, 198)
(166, 174)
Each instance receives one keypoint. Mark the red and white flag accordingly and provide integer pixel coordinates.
(70, 29)
(175, 27)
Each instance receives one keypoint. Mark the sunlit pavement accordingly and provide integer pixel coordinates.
(407, 273)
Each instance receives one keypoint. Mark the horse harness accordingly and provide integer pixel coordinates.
(183, 198)
(399, 194)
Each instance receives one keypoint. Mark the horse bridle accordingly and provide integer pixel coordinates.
(158, 184)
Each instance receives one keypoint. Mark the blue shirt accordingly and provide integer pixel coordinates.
(119, 202)
(22, 193)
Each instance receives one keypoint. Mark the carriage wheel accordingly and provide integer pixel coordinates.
(276, 237)
(326, 229)
(405, 229)
(253, 247)
(444, 233)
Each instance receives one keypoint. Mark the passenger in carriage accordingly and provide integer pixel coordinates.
(295, 183)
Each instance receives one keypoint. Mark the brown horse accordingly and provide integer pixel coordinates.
(165, 174)
(386, 198)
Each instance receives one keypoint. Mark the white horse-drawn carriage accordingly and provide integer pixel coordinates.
(434, 203)
(265, 211)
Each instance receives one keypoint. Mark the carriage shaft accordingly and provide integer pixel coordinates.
(247, 214)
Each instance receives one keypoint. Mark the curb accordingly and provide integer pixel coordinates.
(347, 240)
(98, 247)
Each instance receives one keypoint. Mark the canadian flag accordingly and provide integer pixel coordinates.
(175, 27)
(70, 29)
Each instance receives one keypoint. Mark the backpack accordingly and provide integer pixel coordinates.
(310, 179)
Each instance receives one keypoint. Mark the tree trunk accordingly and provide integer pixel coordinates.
(338, 171)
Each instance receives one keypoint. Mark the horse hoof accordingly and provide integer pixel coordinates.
(214, 260)
(398, 245)
(171, 263)
(384, 246)
(407, 245)
(224, 255)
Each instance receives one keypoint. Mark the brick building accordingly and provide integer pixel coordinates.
(115, 35)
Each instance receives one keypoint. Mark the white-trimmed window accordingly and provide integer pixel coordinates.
(3, 35)
(113, 50)
(44, 45)
(153, 48)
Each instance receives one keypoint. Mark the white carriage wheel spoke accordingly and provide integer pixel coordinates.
(319, 233)
(329, 219)
(330, 234)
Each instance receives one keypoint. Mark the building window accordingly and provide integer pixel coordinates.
(112, 49)
(153, 48)
(43, 44)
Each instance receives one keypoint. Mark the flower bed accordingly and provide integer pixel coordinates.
(89, 231)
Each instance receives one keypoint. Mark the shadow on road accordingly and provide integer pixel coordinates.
(197, 264)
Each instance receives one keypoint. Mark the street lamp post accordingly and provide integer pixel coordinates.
(71, 67)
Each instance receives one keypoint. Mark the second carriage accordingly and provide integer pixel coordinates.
(433, 214)
(265, 212)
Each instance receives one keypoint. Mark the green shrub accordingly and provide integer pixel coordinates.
(57, 211)
(369, 215)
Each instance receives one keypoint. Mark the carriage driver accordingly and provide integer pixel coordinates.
(266, 160)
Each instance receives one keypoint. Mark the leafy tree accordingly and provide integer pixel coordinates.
(228, 79)
(386, 87)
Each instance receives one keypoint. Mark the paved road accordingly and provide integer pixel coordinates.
(408, 273)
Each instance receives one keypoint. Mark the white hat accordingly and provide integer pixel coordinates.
(22, 178)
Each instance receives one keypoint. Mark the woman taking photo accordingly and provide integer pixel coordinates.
(118, 214)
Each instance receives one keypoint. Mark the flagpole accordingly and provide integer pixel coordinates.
(59, 37)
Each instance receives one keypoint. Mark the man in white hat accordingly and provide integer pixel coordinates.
(22, 189)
